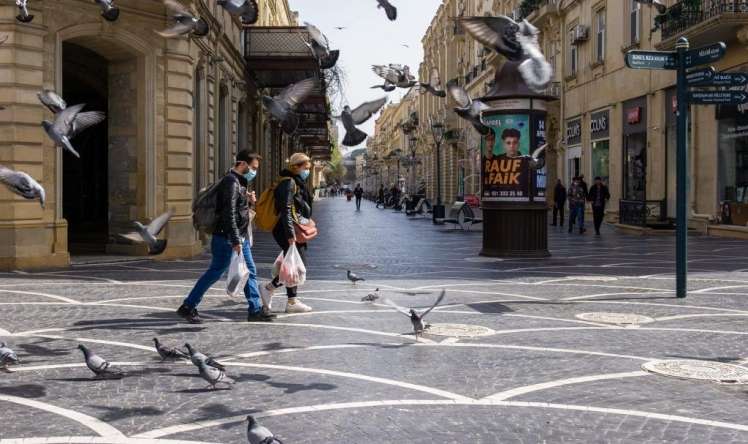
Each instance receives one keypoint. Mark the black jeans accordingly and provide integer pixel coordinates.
(598, 213)
(558, 210)
(280, 238)
(358, 202)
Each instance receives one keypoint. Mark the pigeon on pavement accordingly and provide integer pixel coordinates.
(108, 10)
(51, 100)
(416, 318)
(371, 297)
(351, 118)
(390, 10)
(246, 10)
(170, 353)
(468, 108)
(23, 12)
(99, 365)
(22, 184)
(320, 47)
(68, 123)
(353, 278)
(257, 434)
(213, 375)
(434, 85)
(148, 233)
(7, 357)
(184, 22)
(196, 357)
(282, 106)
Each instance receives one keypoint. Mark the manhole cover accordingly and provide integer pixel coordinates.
(701, 370)
(615, 318)
(355, 266)
(593, 278)
(483, 260)
(459, 330)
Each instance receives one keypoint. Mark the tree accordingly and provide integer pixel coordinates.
(335, 170)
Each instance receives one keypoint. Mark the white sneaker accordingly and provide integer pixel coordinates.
(298, 307)
(266, 294)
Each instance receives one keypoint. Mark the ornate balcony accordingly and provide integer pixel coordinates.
(538, 12)
(702, 21)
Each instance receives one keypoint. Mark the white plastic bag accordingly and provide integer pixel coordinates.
(292, 271)
(238, 275)
(277, 265)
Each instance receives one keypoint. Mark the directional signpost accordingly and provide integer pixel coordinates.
(681, 59)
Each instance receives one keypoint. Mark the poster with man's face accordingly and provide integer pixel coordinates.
(510, 136)
(505, 171)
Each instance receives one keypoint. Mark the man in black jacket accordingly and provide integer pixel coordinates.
(359, 193)
(598, 196)
(230, 237)
(559, 201)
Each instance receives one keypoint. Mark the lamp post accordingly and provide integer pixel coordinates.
(437, 132)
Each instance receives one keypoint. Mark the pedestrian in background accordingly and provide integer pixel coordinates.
(559, 202)
(598, 196)
(292, 203)
(380, 196)
(359, 193)
(577, 198)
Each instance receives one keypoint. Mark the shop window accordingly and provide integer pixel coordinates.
(635, 166)
(601, 159)
(733, 168)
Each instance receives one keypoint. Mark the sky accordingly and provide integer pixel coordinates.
(370, 38)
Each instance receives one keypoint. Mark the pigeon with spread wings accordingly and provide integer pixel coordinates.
(184, 22)
(434, 85)
(23, 12)
(147, 233)
(395, 75)
(246, 10)
(467, 108)
(351, 118)
(416, 318)
(70, 122)
(22, 184)
(282, 106)
(389, 9)
(320, 47)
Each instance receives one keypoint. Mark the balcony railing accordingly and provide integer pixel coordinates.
(685, 14)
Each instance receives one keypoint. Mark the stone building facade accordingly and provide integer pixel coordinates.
(177, 111)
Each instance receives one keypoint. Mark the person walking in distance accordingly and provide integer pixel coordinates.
(380, 196)
(598, 196)
(577, 199)
(292, 203)
(359, 193)
(559, 201)
(230, 236)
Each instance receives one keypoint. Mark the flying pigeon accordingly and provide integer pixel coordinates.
(467, 108)
(353, 277)
(518, 42)
(351, 118)
(340, 28)
(196, 357)
(22, 184)
(661, 7)
(320, 47)
(170, 353)
(213, 375)
(99, 365)
(148, 233)
(51, 100)
(371, 297)
(388, 8)
(108, 10)
(434, 85)
(395, 75)
(7, 357)
(68, 123)
(282, 106)
(387, 87)
(416, 318)
(257, 434)
(246, 10)
(538, 157)
(184, 22)
(23, 12)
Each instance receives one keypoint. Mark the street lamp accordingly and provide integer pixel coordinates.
(412, 163)
(437, 132)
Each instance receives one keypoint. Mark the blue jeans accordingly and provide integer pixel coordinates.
(576, 210)
(221, 250)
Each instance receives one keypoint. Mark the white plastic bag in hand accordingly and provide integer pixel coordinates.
(277, 265)
(238, 275)
(292, 270)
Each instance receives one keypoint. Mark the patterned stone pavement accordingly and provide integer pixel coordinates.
(546, 367)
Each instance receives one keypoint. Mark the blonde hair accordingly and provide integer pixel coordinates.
(299, 160)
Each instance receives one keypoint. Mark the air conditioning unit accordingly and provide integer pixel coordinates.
(581, 33)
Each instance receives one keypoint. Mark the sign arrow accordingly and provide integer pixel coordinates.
(724, 79)
(651, 59)
(704, 55)
(717, 97)
(700, 75)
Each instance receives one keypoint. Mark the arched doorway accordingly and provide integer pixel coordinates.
(103, 192)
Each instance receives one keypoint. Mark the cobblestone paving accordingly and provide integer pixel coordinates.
(351, 372)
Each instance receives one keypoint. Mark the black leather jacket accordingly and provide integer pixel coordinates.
(232, 207)
(290, 194)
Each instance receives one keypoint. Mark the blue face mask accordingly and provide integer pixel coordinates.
(304, 174)
(250, 175)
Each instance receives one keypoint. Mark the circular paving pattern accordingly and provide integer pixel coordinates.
(459, 330)
(701, 370)
(615, 318)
